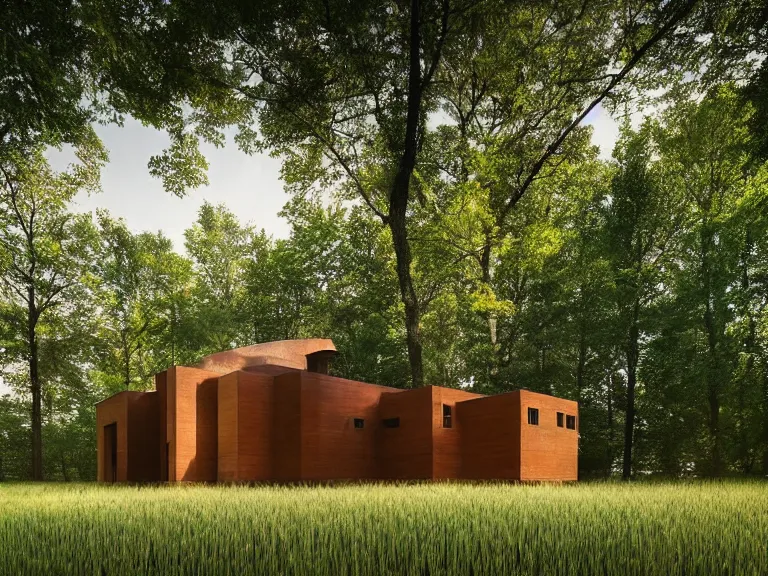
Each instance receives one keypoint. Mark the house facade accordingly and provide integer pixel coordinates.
(270, 412)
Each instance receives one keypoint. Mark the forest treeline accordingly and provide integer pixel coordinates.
(451, 222)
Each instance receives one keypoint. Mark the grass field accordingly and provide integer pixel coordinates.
(642, 529)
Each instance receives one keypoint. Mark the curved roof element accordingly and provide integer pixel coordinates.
(288, 353)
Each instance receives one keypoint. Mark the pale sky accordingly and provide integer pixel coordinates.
(250, 186)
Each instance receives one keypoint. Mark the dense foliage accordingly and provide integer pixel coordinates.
(451, 224)
(636, 286)
(587, 529)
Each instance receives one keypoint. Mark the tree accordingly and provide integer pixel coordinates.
(219, 246)
(363, 126)
(139, 275)
(43, 41)
(706, 144)
(14, 439)
(44, 250)
(641, 221)
(68, 334)
(345, 93)
(333, 277)
(67, 64)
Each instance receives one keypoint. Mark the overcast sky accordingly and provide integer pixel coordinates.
(249, 185)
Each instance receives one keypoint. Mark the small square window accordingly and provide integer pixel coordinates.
(570, 422)
(447, 423)
(533, 416)
(391, 422)
(359, 423)
(560, 416)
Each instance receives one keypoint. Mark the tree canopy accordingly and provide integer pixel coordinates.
(451, 221)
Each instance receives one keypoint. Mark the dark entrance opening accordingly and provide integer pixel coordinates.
(110, 452)
(166, 462)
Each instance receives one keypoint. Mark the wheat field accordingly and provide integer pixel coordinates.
(665, 529)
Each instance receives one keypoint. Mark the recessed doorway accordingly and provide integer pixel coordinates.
(110, 452)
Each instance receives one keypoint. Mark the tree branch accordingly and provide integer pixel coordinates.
(638, 55)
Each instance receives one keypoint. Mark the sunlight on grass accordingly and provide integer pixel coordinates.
(665, 529)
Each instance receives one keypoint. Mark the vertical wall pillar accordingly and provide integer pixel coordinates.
(192, 424)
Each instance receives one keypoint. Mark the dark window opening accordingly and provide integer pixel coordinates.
(533, 416)
(570, 422)
(391, 422)
(560, 419)
(447, 416)
(359, 423)
(319, 361)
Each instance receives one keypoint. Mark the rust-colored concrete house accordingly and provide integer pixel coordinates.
(270, 412)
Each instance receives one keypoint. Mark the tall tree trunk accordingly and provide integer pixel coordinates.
(713, 387)
(173, 333)
(611, 438)
(713, 393)
(747, 378)
(485, 266)
(581, 366)
(64, 472)
(491, 318)
(126, 366)
(408, 296)
(765, 418)
(632, 356)
(398, 202)
(34, 385)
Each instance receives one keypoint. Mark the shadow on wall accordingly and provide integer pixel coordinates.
(203, 465)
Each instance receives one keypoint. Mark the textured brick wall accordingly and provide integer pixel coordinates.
(136, 415)
(207, 457)
(286, 433)
(271, 423)
(269, 370)
(113, 410)
(447, 454)
(284, 353)
(254, 426)
(490, 438)
(331, 447)
(192, 424)
(406, 452)
(548, 452)
(227, 429)
(143, 435)
(170, 423)
(161, 387)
